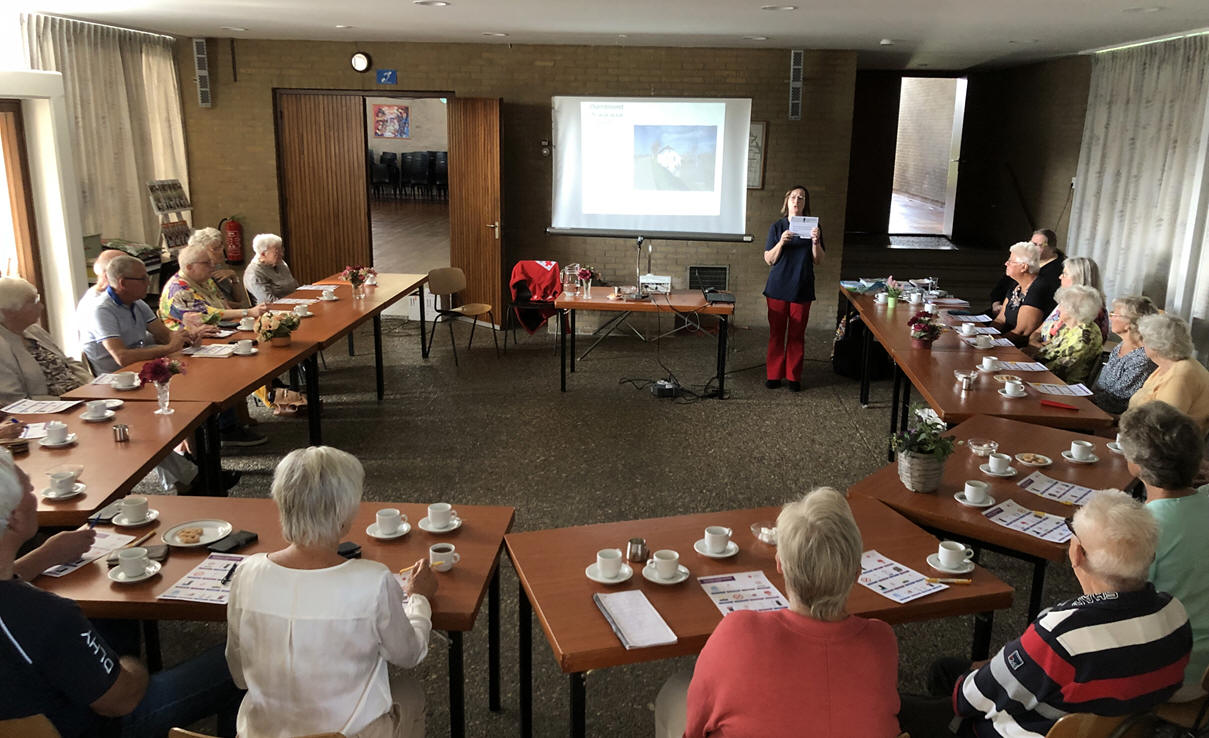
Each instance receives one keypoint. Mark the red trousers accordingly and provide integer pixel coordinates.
(786, 338)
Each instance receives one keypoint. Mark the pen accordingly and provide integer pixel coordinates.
(227, 577)
(936, 580)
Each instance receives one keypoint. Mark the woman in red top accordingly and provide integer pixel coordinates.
(811, 670)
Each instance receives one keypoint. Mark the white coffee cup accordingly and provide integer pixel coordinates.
(982, 341)
(389, 521)
(881, 297)
(1081, 449)
(134, 508)
(442, 556)
(62, 481)
(301, 311)
(953, 555)
(716, 538)
(442, 515)
(329, 293)
(915, 298)
(999, 462)
(968, 329)
(666, 563)
(976, 491)
(246, 324)
(990, 363)
(133, 562)
(56, 432)
(243, 346)
(1014, 387)
(95, 408)
(125, 379)
(608, 562)
(930, 307)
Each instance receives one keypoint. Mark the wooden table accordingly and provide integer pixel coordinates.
(678, 301)
(931, 372)
(940, 512)
(454, 607)
(111, 469)
(550, 565)
(338, 319)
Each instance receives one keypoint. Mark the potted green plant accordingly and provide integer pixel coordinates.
(925, 328)
(922, 449)
(893, 291)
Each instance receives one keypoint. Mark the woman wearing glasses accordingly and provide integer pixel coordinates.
(1128, 366)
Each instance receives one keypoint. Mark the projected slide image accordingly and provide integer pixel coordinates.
(675, 158)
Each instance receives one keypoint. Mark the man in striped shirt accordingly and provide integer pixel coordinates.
(1118, 649)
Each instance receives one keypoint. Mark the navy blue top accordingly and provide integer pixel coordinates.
(792, 277)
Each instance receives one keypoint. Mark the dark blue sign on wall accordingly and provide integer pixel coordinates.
(388, 76)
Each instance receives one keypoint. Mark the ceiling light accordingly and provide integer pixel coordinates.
(1152, 9)
(495, 34)
(886, 42)
(343, 27)
(623, 35)
(778, 7)
(755, 38)
(234, 28)
(430, 3)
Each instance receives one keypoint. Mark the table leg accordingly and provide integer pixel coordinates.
(351, 351)
(562, 351)
(981, 647)
(151, 643)
(457, 684)
(207, 446)
(378, 357)
(423, 341)
(493, 642)
(578, 706)
(723, 329)
(572, 340)
(312, 399)
(866, 349)
(524, 661)
(1034, 595)
(902, 423)
(898, 388)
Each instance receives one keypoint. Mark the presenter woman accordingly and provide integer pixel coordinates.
(790, 290)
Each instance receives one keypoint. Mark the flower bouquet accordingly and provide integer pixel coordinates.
(159, 372)
(275, 328)
(357, 276)
(585, 279)
(925, 328)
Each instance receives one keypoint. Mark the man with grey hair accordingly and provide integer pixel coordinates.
(120, 328)
(762, 673)
(53, 661)
(1119, 649)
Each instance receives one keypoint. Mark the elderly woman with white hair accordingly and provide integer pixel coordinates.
(31, 364)
(268, 277)
(1179, 379)
(1163, 448)
(223, 275)
(1074, 350)
(309, 633)
(1077, 270)
(192, 290)
(763, 673)
(1128, 366)
(1031, 299)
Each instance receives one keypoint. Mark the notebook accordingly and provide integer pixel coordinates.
(634, 619)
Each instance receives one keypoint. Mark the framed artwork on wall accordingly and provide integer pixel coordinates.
(755, 154)
(392, 121)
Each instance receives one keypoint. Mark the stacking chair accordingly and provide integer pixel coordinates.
(34, 726)
(533, 285)
(1086, 725)
(440, 173)
(446, 283)
(1188, 715)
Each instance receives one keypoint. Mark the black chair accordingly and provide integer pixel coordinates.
(379, 176)
(415, 173)
(394, 175)
(440, 173)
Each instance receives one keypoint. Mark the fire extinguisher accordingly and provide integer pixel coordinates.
(232, 239)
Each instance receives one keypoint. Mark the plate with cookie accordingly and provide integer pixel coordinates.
(197, 533)
(1031, 459)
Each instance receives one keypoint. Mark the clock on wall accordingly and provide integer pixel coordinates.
(360, 61)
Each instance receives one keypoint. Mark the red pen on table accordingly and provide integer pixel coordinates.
(1055, 403)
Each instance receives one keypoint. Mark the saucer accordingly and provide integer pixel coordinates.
(333, 298)
(1010, 396)
(308, 314)
(622, 576)
(961, 497)
(114, 404)
(427, 526)
(984, 370)
(76, 490)
(372, 532)
(153, 568)
(1089, 460)
(731, 549)
(934, 562)
(134, 386)
(71, 438)
(648, 573)
(249, 329)
(253, 352)
(986, 469)
(121, 522)
(97, 418)
(1115, 447)
(1031, 459)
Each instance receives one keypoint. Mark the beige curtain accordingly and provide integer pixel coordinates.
(123, 97)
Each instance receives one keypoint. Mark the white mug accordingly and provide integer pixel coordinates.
(125, 379)
(329, 293)
(442, 556)
(56, 432)
(916, 298)
(301, 311)
(999, 462)
(246, 324)
(982, 341)
(1081, 449)
(881, 297)
(1014, 387)
(389, 521)
(442, 515)
(95, 408)
(243, 346)
(133, 562)
(968, 329)
(608, 562)
(953, 555)
(666, 563)
(716, 538)
(62, 481)
(990, 363)
(976, 491)
(134, 508)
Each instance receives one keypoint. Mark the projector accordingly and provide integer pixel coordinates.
(655, 283)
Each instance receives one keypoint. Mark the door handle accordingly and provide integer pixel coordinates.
(495, 227)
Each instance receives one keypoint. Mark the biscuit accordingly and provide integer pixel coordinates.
(189, 535)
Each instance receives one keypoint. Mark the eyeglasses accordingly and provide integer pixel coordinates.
(1070, 525)
(136, 279)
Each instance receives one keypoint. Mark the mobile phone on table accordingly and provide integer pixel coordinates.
(349, 550)
(233, 542)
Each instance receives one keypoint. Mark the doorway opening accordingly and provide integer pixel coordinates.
(931, 110)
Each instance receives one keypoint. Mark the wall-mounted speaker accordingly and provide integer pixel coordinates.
(201, 66)
(797, 59)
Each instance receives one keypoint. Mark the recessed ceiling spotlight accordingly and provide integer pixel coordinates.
(755, 38)
(778, 7)
(495, 34)
(430, 3)
(886, 42)
(623, 35)
(1151, 9)
(234, 28)
(343, 27)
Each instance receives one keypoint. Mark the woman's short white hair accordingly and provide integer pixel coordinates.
(10, 489)
(207, 237)
(15, 293)
(194, 254)
(317, 491)
(265, 241)
(1119, 535)
(1133, 308)
(1029, 253)
(1166, 335)
(1082, 270)
(1081, 303)
(819, 546)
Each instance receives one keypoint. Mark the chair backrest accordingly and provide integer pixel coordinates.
(446, 281)
(34, 726)
(1086, 725)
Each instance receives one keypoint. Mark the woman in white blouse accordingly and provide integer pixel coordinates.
(309, 634)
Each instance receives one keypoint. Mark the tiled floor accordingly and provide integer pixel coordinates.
(410, 236)
(910, 214)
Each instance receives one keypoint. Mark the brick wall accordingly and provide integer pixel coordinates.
(925, 134)
(233, 169)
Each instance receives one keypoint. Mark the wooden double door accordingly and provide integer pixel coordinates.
(324, 188)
